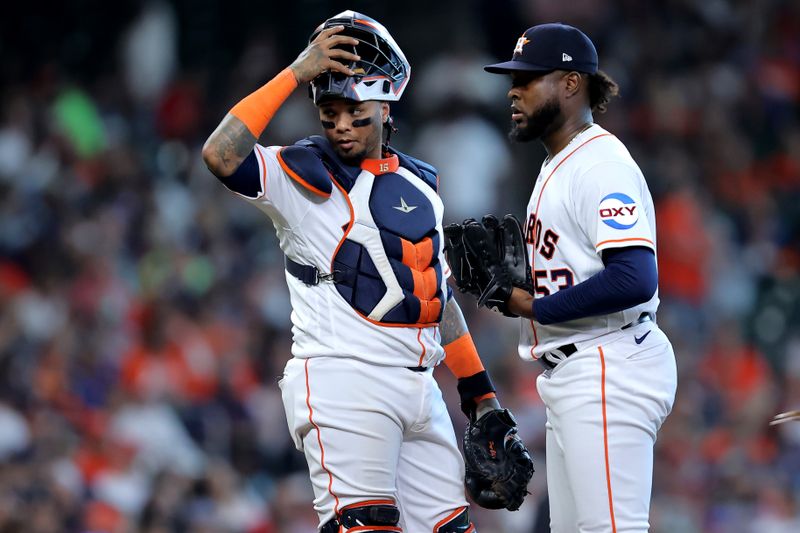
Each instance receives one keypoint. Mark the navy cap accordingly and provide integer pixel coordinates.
(548, 47)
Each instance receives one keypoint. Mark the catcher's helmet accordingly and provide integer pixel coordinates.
(382, 72)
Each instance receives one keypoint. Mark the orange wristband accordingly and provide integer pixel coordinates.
(258, 108)
(461, 357)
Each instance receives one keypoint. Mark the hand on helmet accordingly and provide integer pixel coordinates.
(321, 55)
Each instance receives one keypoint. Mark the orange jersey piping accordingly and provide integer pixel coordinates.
(296, 177)
(536, 216)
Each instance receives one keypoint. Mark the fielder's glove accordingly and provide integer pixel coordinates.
(466, 267)
(502, 253)
(498, 466)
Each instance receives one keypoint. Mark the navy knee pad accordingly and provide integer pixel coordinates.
(365, 514)
(459, 523)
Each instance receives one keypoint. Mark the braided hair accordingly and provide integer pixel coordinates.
(601, 90)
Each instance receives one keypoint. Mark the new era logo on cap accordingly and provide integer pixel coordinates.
(566, 57)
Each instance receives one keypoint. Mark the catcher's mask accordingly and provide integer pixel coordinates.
(382, 72)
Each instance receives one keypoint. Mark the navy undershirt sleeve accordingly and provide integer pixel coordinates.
(246, 180)
(630, 277)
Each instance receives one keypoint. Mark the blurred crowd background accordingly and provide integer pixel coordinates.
(144, 317)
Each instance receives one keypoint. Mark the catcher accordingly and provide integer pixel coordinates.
(360, 225)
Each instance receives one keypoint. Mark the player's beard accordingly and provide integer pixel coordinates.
(537, 123)
(352, 159)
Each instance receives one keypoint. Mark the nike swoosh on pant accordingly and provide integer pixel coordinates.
(640, 340)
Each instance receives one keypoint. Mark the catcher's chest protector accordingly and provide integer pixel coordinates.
(387, 264)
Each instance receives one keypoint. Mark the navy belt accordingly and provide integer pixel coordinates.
(569, 349)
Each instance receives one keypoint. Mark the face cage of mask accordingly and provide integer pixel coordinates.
(375, 61)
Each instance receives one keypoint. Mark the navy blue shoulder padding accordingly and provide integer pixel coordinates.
(306, 168)
(246, 180)
(422, 169)
(345, 175)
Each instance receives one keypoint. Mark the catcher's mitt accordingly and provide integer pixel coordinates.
(498, 466)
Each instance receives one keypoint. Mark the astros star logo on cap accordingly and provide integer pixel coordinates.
(522, 41)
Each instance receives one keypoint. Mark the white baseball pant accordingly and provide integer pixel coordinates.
(374, 432)
(605, 405)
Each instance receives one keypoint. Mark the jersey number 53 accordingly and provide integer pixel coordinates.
(561, 277)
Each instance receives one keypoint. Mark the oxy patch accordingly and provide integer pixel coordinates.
(619, 211)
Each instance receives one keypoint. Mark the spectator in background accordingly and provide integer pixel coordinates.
(457, 139)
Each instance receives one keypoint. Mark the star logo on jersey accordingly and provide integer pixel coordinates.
(619, 211)
(404, 207)
(522, 41)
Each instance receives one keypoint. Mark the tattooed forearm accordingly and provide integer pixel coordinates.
(453, 324)
(227, 147)
(234, 141)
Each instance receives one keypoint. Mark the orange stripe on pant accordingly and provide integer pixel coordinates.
(605, 437)
(421, 345)
(319, 441)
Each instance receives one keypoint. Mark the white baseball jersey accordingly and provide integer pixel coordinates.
(593, 193)
(310, 229)
(372, 430)
(608, 399)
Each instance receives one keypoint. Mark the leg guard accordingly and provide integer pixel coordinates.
(457, 522)
(365, 517)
